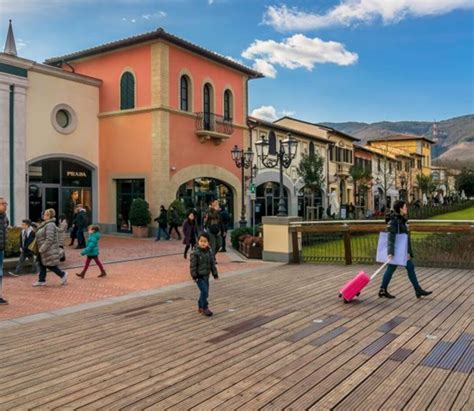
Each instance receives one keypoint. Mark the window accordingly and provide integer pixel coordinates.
(338, 154)
(207, 105)
(228, 105)
(379, 168)
(311, 149)
(399, 165)
(184, 93)
(390, 167)
(127, 91)
(64, 119)
(272, 147)
(331, 153)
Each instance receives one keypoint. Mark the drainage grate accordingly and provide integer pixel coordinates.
(400, 355)
(435, 355)
(455, 352)
(379, 344)
(466, 363)
(390, 325)
(142, 307)
(305, 332)
(328, 336)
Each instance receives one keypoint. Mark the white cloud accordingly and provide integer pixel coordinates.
(295, 52)
(21, 44)
(159, 15)
(352, 12)
(269, 113)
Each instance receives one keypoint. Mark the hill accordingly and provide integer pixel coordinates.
(455, 136)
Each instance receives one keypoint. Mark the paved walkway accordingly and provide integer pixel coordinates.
(132, 265)
(280, 339)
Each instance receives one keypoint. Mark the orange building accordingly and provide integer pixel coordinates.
(169, 114)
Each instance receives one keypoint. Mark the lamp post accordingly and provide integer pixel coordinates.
(283, 157)
(242, 159)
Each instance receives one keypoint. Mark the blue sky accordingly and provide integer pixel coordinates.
(343, 60)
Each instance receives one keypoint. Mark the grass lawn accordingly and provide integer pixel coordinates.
(466, 214)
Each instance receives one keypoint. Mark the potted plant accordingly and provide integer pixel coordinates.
(140, 217)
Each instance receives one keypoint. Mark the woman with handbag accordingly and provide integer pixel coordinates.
(397, 223)
(47, 241)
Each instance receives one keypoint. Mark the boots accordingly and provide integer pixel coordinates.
(384, 293)
(81, 274)
(422, 293)
(102, 274)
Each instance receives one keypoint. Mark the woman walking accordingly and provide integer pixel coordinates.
(189, 232)
(92, 251)
(397, 223)
(47, 239)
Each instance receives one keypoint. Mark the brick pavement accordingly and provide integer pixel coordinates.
(158, 264)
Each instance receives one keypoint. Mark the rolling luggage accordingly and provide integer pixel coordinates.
(353, 288)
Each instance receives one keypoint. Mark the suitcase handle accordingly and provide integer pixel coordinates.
(379, 269)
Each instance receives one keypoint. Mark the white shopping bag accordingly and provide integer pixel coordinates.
(401, 249)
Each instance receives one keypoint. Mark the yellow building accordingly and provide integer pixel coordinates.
(410, 143)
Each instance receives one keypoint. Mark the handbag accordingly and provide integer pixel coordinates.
(400, 256)
(33, 247)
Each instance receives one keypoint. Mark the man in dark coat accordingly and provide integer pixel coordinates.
(81, 224)
(26, 237)
(3, 242)
(225, 218)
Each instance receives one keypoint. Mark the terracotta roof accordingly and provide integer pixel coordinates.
(402, 137)
(158, 34)
(269, 124)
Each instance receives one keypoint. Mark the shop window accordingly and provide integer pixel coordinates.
(127, 91)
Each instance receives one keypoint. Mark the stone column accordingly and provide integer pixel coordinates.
(277, 240)
(19, 145)
(4, 141)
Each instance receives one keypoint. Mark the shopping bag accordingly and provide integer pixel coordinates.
(33, 247)
(401, 249)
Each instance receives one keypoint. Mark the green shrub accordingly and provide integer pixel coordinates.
(235, 234)
(12, 247)
(181, 211)
(139, 213)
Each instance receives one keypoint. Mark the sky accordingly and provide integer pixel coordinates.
(324, 60)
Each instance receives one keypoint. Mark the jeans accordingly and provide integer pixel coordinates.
(42, 271)
(81, 241)
(203, 285)
(162, 231)
(216, 243)
(410, 267)
(21, 262)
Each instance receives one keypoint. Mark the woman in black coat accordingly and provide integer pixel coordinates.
(189, 232)
(397, 223)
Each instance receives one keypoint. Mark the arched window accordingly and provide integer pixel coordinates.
(311, 149)
(184, 93)
(127, 91)
(207, 106)
(272, 145)
(228, 103)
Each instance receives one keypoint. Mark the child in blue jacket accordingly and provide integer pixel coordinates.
(92, 251)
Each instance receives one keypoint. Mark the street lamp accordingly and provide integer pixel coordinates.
(283, 157)
(243, 159)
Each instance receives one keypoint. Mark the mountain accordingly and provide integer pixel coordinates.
(455, 136)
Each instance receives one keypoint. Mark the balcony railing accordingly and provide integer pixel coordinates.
(211, 125)
(343, 169)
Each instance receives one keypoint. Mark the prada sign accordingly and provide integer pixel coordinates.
(81, 174)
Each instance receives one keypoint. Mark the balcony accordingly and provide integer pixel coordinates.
(342, 169)
(210, 126)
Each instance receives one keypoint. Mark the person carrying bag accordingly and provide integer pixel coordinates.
(398, 250)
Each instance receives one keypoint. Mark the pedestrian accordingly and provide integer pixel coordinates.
(213, 224)
(81, 224)
(397, 223)
(189, 233)
(3, 242)
(225, 218)
(74, 227)
(174, 223)
(62, 230)
(47, 239)
(202, 265)
(162, 220)
(350, 211)
(26, 237)
(92, 251)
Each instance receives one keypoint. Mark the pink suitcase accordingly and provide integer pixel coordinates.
(353, 288)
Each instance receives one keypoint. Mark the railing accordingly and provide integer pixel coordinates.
(213, 122)
(343, 168)
(431, 211)
(435, 243)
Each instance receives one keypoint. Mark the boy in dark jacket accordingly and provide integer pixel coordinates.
(27, 236)
(203, 264)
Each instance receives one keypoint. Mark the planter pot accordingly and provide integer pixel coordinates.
(140, 231)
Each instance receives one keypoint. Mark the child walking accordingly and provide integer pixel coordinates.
(27, 236)
(92, 251)
(203, 264)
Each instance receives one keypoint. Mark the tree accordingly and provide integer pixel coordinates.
(426, 184)
(360, 173)
(311, 170)
(465, 181)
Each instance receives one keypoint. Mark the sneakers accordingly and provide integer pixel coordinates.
(64, 278)
(3, 301)
(207, 312)
(13, 274)
(39, 284)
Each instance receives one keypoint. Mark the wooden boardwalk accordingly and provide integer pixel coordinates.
(280, 339)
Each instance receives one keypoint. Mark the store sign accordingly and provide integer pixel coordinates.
(81, 174)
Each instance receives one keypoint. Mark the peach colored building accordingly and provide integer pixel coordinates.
(169, 114)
